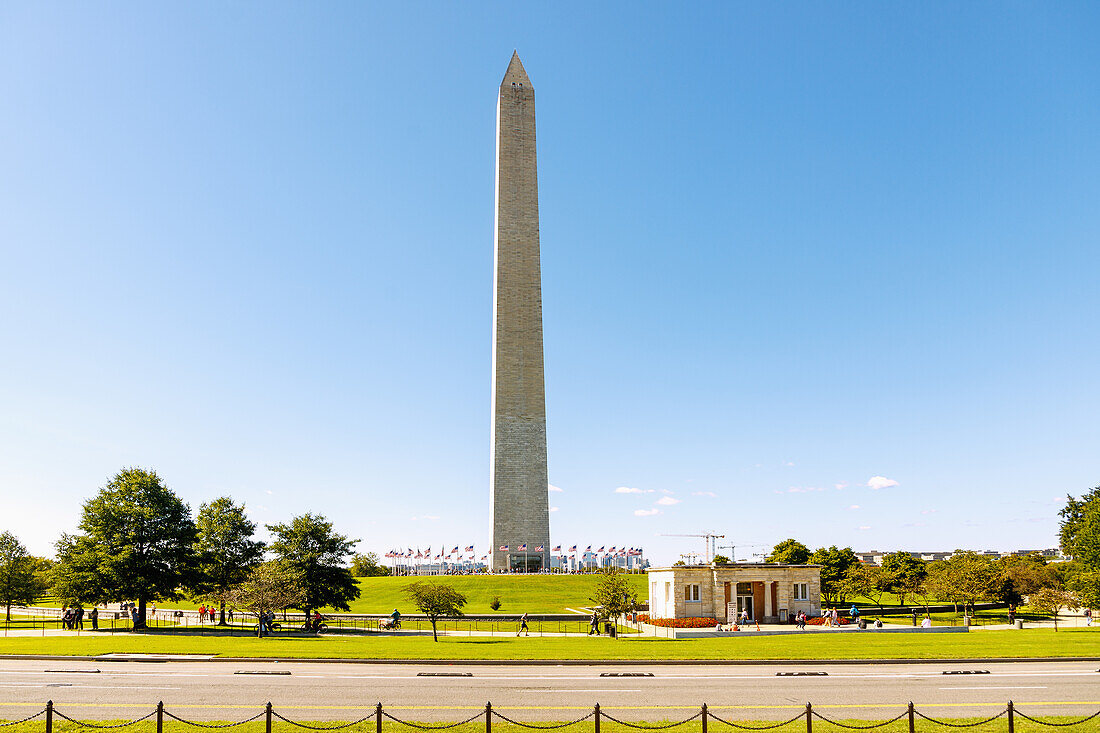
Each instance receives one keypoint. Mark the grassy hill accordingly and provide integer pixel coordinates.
(518, 593)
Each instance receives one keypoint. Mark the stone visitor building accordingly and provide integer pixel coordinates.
(770, 592)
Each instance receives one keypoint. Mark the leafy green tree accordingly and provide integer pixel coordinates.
(1086, 585)
(225, 549)
(964, 578)
(436, 601)
(905, 572)
(137, 543)
(311, 548)
(720, 560)
(1053, 600)
(368, 566)
(19, 580)
(269, 587)
(790, 552)
(868, 581)
(1080, 529)
(613, 594)
(1022, 575)
(835, 564)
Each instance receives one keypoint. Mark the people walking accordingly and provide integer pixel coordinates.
(93, 616)
(79, 618)
(523, 625)
(594, 624)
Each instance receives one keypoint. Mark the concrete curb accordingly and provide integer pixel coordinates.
(558, 662)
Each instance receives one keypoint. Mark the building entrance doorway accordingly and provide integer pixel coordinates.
(744, 600)
(525, 563)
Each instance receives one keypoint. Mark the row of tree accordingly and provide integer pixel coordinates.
(138, 541)
(967, 577)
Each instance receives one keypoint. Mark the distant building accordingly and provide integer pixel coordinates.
(770, 592)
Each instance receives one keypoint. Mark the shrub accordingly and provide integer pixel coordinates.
(494, 603)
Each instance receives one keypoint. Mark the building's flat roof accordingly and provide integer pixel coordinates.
(747, 565)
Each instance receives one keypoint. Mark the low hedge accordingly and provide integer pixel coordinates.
(692, 622)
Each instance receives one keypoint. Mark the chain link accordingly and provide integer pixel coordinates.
(103, 727)
(1056, 725)
(554, 726)
(420, 726)
(650, 727)
(213, 725)
(730, 723)
(962, 725)
(24, 720)
(320, 727)
(858, 727)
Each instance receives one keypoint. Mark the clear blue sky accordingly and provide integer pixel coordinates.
(786, 248)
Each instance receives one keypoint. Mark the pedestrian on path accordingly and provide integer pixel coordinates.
(523, 625)
(594, 624)
(93, 616)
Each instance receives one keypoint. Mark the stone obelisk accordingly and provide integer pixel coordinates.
(518, 482)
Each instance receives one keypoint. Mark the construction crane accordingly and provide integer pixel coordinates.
(733, 550)
(709, 541)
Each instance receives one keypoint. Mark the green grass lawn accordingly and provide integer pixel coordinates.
(809, 646)
(518, 593)
(661, 717)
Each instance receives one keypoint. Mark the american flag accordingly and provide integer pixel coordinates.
(470, 548)
(573, 548)
(454, 551)
(523, 547)
(540, 548)
(504, 548)
(557, 548)
(588, 549)
(601, 549)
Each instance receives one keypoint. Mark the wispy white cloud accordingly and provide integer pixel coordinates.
(863, 528)
(929, 511)
(667, 501)
(804, 489)
(709, 494)
(841, 486)
(667, 492)
(881, 482)
(789, 464)
(646, 512)
(269, 492)
(629, 490)
(555, 488)
(854, 507)
(553, 508)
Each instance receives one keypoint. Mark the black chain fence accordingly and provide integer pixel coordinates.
(597, 716)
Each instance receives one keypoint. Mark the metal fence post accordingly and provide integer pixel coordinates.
(597, 717)
(1011, 721)
(160, 717)
(267, 710)
(809, 718)
(704, 718)
(912, 720)
(49, 716)
(488, 717)
(378, 718)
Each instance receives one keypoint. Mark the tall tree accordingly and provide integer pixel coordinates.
(137, 543)
(1022, 575)
(319, 555)
(19, 581)
(905, 572)
(790, 552)
(835, 563)
(225, 549)
(1080, 530)
(966, 577)
(436, 601)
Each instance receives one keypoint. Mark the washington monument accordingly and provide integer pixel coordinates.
(518, 481)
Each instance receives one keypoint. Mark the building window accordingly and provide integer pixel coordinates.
(801, 592)
(691, 592)
(668, 587)
(744, 589)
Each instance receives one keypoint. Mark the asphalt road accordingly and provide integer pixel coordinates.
(342, 691)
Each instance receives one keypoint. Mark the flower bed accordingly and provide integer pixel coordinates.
(819, 621)
(692, 622)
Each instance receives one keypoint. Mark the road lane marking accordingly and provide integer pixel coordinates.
(993, 688)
